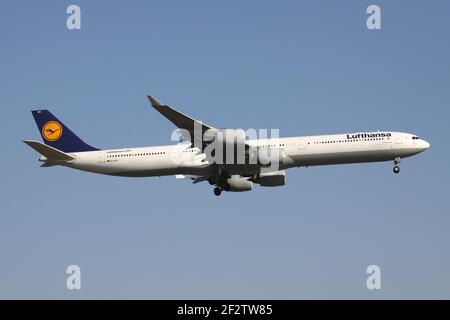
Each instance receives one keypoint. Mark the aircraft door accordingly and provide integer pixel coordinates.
(302, 145)
(399, 139)
(101, 157)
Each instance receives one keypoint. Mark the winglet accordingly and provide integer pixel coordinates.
(155, 103)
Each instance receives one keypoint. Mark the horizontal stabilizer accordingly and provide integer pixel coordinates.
(49, 152)
(49, 164)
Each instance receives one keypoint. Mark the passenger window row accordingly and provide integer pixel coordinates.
(271, 145)
(345, 141)
(134, 154)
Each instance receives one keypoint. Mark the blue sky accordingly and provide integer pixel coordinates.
(305, 67)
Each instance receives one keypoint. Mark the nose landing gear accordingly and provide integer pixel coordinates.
(396, 165)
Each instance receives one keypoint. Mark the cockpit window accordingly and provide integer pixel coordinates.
(415, 138)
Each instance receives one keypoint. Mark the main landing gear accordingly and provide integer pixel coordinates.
(397, 165)
(217, 191)
(220, 180)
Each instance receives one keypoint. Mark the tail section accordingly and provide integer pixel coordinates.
(56, 135)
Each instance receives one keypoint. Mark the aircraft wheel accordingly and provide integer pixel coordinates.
(217, 191)
(396, 169)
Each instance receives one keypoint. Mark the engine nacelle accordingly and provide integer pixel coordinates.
(238, 184)
(271, 179)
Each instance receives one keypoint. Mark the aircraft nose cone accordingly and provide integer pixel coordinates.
(426, 145)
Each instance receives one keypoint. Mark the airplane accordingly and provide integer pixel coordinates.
(188, 159)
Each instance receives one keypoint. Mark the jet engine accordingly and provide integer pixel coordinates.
(271, 179)
(238, 184)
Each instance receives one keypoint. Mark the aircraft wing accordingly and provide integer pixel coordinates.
(185, 122)
(179, 119)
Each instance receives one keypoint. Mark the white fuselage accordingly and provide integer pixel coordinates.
(297, 152)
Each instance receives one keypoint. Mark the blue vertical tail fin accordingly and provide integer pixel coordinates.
(57, 135)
